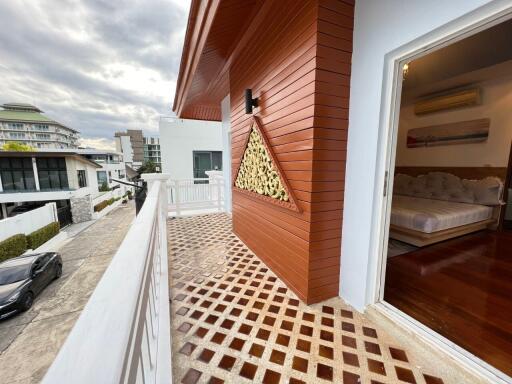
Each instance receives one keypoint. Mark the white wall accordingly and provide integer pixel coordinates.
(72, 166)
(180, 137)
(124, 145)
(381, 27)
(226, 152)
(28, 222)
(496, 105)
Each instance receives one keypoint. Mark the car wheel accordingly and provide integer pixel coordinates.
(58, 271)
(26, 301)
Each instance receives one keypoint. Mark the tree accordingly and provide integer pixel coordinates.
(104, 187)
(15, 146)
(147, 167)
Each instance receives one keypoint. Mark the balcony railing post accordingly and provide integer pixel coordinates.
(177, 202)
(123, 333)
(219, 195)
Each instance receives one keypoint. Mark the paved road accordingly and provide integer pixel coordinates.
(29, 342)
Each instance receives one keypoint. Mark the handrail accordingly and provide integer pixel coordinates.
(123, 334)
(195, 194)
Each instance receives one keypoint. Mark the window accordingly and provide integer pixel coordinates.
(17, 174)
(102, 178)
(41, 127)
(44, 136)
(15, 125)
(206, 161)
(17, 135)
(82, 181)
(52, 173)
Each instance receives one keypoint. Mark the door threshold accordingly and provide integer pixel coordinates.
(460, 359)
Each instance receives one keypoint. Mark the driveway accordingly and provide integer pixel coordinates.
(29, 342)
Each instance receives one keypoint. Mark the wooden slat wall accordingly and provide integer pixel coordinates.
(299, 66)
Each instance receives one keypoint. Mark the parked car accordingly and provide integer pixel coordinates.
(22, 278)
(24, 208)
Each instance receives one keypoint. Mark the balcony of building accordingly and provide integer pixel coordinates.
(186, 301)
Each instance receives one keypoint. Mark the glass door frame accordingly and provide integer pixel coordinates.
(458, 29)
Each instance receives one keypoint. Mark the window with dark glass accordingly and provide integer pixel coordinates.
(102, 178)
(17, 174)
(52, 173)
(206, 161)
(82, 181)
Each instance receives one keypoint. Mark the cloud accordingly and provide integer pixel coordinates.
(98, 143)
(98, 66)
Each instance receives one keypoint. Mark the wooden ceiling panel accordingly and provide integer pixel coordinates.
(194, 94)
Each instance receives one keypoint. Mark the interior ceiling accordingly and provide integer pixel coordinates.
(484, 49)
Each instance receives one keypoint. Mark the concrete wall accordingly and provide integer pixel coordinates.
(28, 222)
(496, 102)
(381, 27)
(180, 137)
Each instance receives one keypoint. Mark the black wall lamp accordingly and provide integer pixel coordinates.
(250, 102)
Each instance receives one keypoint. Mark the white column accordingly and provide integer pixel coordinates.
(217, 189)
(226, 152)
(150, 179)
(4, 210)
(36, 176)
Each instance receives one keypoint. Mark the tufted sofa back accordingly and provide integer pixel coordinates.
(448, 187)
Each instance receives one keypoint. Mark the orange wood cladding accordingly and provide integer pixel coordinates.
(298, 64)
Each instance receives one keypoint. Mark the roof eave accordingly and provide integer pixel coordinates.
(200, 20)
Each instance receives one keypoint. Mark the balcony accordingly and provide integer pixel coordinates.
(184, 300)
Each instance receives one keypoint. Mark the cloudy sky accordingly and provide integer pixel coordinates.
(98, 66)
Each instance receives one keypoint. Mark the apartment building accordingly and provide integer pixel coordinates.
(152, 150)
(25, 123)
(131, 145)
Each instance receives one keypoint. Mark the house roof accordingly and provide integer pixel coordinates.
(26, 113)
(50, 153)
(215, 32)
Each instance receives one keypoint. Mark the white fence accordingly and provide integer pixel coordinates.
(28, 222)
(195, 196)
(106, 195)
(123, 333)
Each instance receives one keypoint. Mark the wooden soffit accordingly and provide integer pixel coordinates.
(215, 29)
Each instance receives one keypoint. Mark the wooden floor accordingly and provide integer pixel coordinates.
(462, 289)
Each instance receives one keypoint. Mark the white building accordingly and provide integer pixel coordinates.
(26, 124)
(152, 150)
(131, 145)
(35, 178)
(112, 166)
(190, 147)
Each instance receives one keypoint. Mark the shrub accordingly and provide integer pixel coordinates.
(105, 203)
(13, 246)
(100, 206)
(42, 235)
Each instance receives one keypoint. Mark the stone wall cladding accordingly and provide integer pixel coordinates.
(81, 209)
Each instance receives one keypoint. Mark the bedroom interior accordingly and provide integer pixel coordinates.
(449, 255)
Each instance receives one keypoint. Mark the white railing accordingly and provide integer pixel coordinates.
(195, 196)
(123, 333)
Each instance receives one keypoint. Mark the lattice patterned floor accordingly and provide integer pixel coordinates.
(234, 321)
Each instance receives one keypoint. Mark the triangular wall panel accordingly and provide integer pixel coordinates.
(259, 174)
